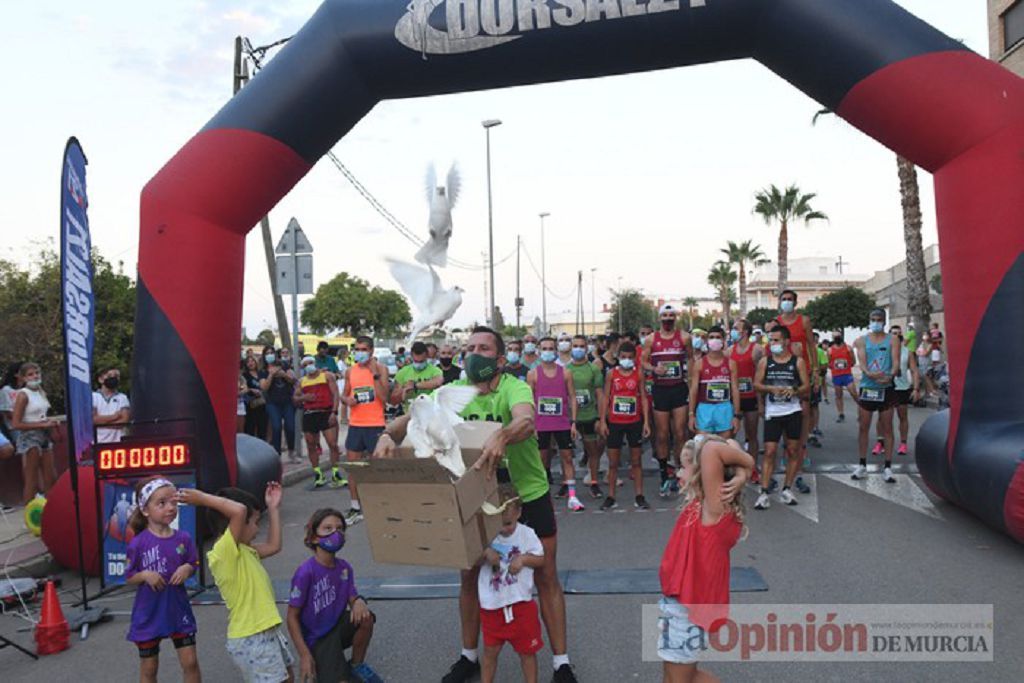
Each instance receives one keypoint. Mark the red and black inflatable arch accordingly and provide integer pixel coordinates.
(893, 76)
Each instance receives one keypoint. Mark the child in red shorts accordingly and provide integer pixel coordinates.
(508, 613)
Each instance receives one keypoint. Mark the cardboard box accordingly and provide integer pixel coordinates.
(415, 514)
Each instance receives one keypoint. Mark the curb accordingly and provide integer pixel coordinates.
(296, 475)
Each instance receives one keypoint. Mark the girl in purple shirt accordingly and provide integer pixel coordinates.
(326, 615)
(160, 560)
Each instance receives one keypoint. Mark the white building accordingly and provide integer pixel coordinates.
(809, 277)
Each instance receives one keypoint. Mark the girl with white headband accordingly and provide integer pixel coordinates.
(160, 560)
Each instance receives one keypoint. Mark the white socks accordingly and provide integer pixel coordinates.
(559, 660)
(471, 655)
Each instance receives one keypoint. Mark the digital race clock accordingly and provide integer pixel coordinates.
(143, 456)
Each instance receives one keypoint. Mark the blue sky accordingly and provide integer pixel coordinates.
(651, 203)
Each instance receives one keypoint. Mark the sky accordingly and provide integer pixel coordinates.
(646, 176)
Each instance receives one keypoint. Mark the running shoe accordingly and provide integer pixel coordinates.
(773, 485)
(841, 418)
(859, 472)
(641, 503)
(902, 450)
(887, 476)
(666, 487)
(787, 497)
(879, 447)
(673, 485)
(5, 508)
(461, 671)
(595, 492)
(801, 486)
(337, 479)
(575, 505)
(564, 674)
(608, 504)
(817, 432)
(362, 673)
(318, 478)
(563, 491)
(813, 441)
(807, 461)
(353, 516)
(762, 502)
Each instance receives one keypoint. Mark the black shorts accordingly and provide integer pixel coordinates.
(748, 405)
(151, 648)
(631, 433)
(887, 402)
(329, 651)
(539, 515)
(792, 426)
(587, 429)
(563, 439)
(316, 421)
(902, 397)
(671, 396)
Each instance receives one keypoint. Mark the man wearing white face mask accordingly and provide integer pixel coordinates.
(514, 364)
(878, 355)
(530, 358)
(800, 330)
(564, 350)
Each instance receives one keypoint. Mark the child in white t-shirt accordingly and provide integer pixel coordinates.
(508, 613)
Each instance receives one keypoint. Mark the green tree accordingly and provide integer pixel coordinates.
(784, 207)
(32, 325)
(349, 305)
(691, 304)
(722, 278)
(759, 317)
(510, 332)
(265, 337)
(848, 307)
(636, 310)
(742, 254)
(918, 300)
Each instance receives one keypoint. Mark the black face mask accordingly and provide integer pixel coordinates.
(446, 361)
(111, 382)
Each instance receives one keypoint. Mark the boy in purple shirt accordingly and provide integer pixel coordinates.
(326, 615)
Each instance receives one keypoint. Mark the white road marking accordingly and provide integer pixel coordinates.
(807, 504)
(904, 491)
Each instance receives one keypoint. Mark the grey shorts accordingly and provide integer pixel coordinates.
(680, 641)
(27, 439)
(263, 657)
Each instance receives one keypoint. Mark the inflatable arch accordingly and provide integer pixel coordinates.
(886, 72)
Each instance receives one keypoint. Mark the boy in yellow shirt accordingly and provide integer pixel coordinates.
(256, 640)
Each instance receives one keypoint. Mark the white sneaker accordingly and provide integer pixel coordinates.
(575, 505)
(887, 476)
(787, 497)
(859, 472)
(762, 502)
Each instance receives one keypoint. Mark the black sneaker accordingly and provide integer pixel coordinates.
(461, 671)
(801, 486)
(563, 491)
(608, 504)
(773, 486)
(564, 674)
(641, 503)
(596, 492)
(813, 441)
(841, 418)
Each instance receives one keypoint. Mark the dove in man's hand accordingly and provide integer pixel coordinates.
(442, 201)
(433, 302)
(432, 420)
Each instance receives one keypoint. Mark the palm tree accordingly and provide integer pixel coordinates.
(741, 254)
(792, 204)
(918, 301)
(722, 278)
(691, 303)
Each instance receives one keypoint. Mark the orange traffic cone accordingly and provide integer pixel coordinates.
(52, 633)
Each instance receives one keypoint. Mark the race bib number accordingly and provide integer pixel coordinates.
(772, 398)
(718, 391)
(552, 407)
(673, 369)
(364, 395)
(746, 385)
(872, 395)
(583, 398)
(624, 405)
(841, 364)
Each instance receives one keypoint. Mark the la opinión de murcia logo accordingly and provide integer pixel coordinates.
(480, 24)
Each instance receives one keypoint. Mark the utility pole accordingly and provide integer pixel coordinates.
(543, 275)
(593, 299)
(620, 304)
(488, 124)
(519, 298)
(489, 315)
(580, 321)
(241, 77)
(840, 263)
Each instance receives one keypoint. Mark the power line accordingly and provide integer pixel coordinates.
(536, 272)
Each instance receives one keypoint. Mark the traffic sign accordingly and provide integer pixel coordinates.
(286, 276)
(294, 241)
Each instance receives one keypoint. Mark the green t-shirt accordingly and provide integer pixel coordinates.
(586, 379)
(411, 374)
(326, 363)
(910, 339)
(523, 458)
(822, 359)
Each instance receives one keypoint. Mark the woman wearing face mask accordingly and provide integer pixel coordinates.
(35, 433)
(255, 403)
(278, 385)
(11, 384)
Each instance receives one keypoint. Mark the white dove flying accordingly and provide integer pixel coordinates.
(431, 428)
(433, 302)
(442, 201)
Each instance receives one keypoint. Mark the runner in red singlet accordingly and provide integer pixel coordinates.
(800, 330)
(746, 353)
(665, 354)
(840, 364)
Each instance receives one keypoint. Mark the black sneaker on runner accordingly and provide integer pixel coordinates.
(641, 503)
(596, 492)
(608, 504)
(563, 491)
(801, 486)
(564, 674)
(461, 671)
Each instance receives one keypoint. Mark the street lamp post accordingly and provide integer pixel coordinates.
(620, 304)
(543, 275)
(593, 305)
(488, 124)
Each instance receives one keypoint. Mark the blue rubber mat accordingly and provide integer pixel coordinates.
(574, 582)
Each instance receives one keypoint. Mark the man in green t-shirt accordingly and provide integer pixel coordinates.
(418, 377)
(324, 360)
(588, 380)
(507, 400)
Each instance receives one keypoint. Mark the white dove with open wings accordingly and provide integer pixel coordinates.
(433, 302)
(442, 200)
(431, 428)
